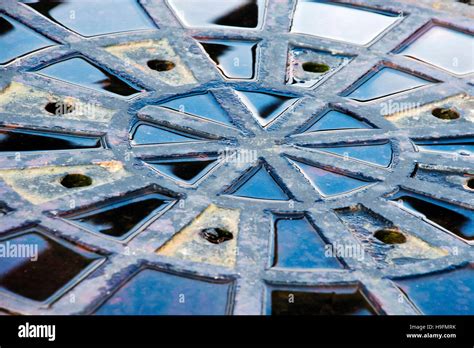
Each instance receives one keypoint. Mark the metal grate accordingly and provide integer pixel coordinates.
(290, 169)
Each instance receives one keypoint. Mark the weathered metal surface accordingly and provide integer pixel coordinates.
(170, 243)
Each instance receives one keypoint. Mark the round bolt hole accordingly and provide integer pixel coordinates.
(315, 67)
(59, 108)
(160, 65)
(470, 184)
(390, 236)
(445, 113)
(216, 235)
(76, 180)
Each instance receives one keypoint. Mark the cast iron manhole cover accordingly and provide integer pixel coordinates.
(236, 157)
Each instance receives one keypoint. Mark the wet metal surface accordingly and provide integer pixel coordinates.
(236, 157)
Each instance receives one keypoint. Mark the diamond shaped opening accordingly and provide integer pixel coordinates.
(45, 268)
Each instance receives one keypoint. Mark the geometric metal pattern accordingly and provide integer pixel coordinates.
(255, 161)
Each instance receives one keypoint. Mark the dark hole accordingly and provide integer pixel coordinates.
(390, 236)
(216, 235)
(445, 113)
(76, 180)
(315, 67)
(59, 108)
(468, 2)
(470, 183)
(308, 303)
(160, 65)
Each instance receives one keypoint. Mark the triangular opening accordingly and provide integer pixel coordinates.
(147, 134)
(336, 120)
(265, 106)
(188, 169)
(383, 83)
(80, 71)
(377, 154)
(299, 245)
(259, 183)
(329, 183)
(122, 218)
(235, 59)
(17, 40)
(202, 105)
(217, 13)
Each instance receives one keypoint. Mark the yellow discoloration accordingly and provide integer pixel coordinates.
(40, 185)
(187, 244)
(20, 99)
(462, 103)
(137, 54)
(415, 248)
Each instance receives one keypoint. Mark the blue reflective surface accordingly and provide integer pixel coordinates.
(446, 293)
(17, 40)
(460, 146)
(202, 105)
(336, 120)
(260, 185)
(55, 266)
(188, 169)
(235, 59)
(122, 218)
(146, 134)
(80, 71)
(380, 154)
(383, 83)
(168, 294)
(453, 218)
(329, 183)
(13, 140)
(266, 107)
(94, 18)
(299, 245)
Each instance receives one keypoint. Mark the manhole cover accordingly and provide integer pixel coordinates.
(236, 157)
